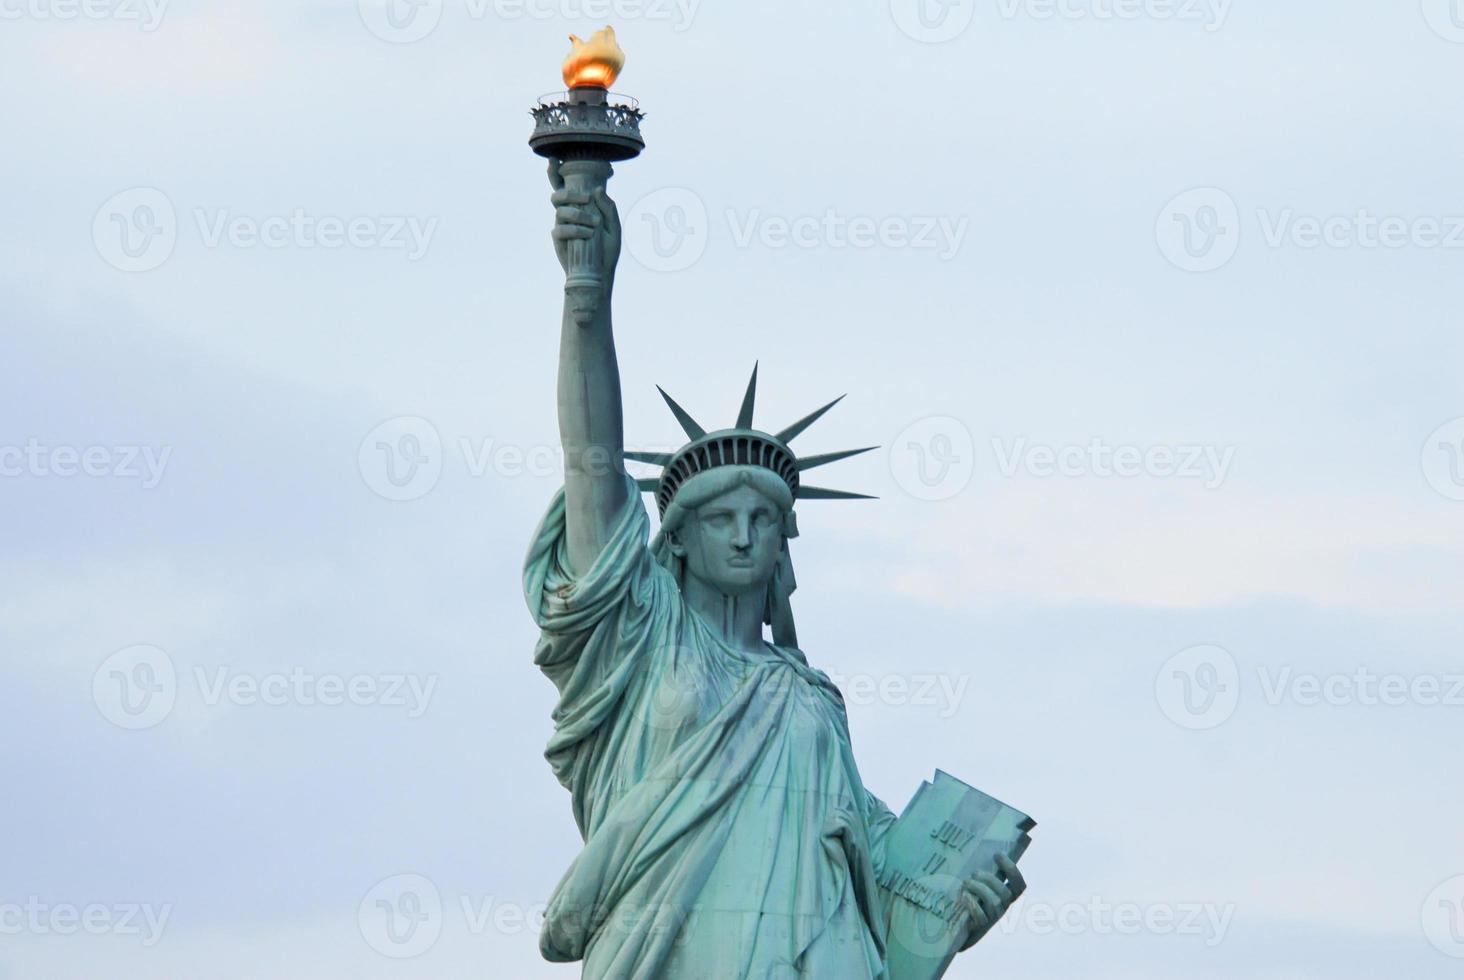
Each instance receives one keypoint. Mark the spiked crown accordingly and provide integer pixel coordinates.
(744, 445)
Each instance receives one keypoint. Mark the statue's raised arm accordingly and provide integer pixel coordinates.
(591, 427)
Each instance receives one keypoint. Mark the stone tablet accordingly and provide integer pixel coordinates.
(948, 832)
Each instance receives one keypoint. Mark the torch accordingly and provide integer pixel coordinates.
(587, 128)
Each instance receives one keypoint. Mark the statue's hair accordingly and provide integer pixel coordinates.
(711, 484)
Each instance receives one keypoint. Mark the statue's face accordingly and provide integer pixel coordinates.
(732, 541)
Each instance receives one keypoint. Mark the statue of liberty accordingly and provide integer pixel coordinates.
(727, 833)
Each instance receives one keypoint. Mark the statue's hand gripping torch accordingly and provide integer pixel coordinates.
(582, 131)
(586, 234)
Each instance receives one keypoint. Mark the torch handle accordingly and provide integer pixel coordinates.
(584, 282)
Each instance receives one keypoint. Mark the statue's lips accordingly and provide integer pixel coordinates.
(740, 562)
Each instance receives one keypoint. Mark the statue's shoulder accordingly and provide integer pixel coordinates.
(790, 653)
(799, 661)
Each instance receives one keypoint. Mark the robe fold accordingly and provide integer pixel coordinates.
(727, 832)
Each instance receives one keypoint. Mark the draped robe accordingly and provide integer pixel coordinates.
(727, 833)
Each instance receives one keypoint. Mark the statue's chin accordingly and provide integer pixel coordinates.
(736, 585)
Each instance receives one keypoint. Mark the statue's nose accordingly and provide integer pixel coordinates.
(742, 536)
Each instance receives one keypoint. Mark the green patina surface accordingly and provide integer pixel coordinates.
(727, 832)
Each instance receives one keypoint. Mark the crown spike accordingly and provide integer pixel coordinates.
(823, 493)
(648, 484)
(809, 462)
(688, 424)
(786, 436)
(744, 414)
(660, 459)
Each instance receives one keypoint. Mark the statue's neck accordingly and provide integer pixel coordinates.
(736, 619)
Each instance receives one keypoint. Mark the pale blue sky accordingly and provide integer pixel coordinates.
(1052, 312)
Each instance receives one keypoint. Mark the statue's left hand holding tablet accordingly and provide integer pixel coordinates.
(988, 897)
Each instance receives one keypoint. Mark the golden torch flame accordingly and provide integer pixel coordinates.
(594, 62)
